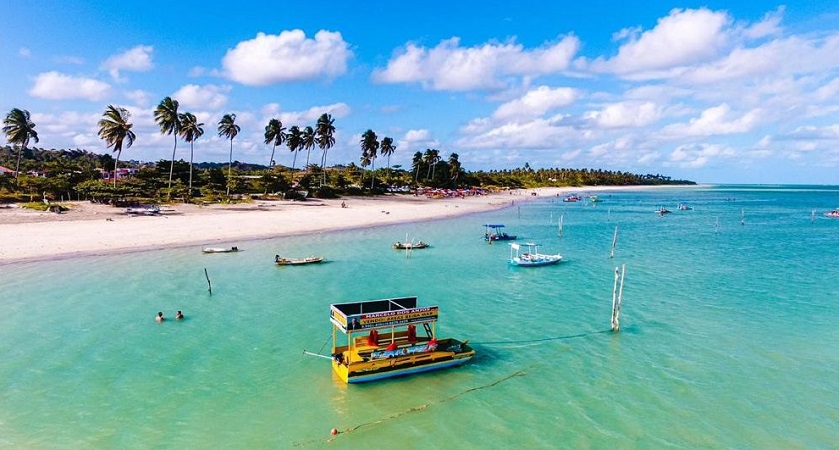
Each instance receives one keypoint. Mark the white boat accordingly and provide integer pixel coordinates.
(531, 257)
(405, 245)
(220, 249)
(281, 261)
(147, 210)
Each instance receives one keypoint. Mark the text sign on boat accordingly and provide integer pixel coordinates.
(401, 317)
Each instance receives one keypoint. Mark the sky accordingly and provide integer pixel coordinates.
(714, 92)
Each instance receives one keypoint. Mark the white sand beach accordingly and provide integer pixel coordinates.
(91, 229)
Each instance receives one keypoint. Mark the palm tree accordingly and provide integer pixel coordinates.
(115, 129)
(166, 115)
(416, 163)
(227, 127)
(308, 142)
(369, 145)
(294, 141)
(275, 135)
(191, 130)
(431, 157)
(454, 167)
(19, 129)
(325, 136)
(387, 149)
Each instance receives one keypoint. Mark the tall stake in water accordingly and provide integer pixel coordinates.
(617, 298)
(813, 216)
(614, 243)
(742, 216)
(561, 219)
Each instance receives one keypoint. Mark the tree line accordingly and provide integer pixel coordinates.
(78, 173)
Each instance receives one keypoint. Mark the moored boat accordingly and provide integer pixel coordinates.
(219, 249)
(382, 340)
(404, 245)
(532, 257)
(281, 261)
(494, 233)
(571, 198)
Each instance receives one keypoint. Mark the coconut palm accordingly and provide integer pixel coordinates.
(325, 136)
(115, 129)
(416, 162)
(294, 141)
(227, 127)
(431, 157)
(19, 129)
(166, 115)
(387, 149)
(369, 145)
(190, 130)
(274, 135)
(307, 141)
(454, 167)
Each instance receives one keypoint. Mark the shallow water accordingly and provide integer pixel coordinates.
(727, 334)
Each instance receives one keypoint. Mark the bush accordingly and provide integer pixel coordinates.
(324, 192)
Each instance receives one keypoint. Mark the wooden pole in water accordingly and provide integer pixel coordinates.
(813, 216)
(561, 219)
(617, 299)
(209, 285)
(614, 243)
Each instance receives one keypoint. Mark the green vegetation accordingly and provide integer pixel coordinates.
(57, 175)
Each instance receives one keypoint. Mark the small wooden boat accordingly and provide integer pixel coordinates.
(531, 258)
(409, 245)
(571, 198)
(382, 340)
(280, 261)
(219, 249)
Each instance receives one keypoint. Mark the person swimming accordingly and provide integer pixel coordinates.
(180, 315)
(159, 317)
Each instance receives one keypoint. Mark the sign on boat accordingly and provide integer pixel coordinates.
(382, 340)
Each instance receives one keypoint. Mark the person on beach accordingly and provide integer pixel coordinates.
(180, 315)
(159, 317)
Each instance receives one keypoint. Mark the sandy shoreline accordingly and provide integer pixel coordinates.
(91, 229)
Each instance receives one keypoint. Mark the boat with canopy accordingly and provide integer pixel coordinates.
(382, 340)
(494, 232)
(532, 257)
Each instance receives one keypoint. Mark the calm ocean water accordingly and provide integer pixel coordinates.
(728, 335)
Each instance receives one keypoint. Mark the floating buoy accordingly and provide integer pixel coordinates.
(334, 431)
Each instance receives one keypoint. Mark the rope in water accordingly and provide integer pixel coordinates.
(547, 339)
(397, 415)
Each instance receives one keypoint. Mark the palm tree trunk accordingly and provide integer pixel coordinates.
(172, 165)
(307, 159)
(116, 166)
(229, 165)
(191, 151)
(373, 175)
(293, 162)
(271, 162)
(17, 165)
(388, 169)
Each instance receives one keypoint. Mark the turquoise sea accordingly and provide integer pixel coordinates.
(728, 338)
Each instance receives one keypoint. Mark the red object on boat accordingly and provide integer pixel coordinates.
(412, 334)
(392, 346)
(432, 345)
(373, 338)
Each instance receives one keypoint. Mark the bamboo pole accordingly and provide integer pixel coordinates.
(561, 220)
(614, 243)
(209, 285)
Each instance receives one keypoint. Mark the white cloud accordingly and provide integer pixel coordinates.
(208, 96)
(290, 56)
(683, 38)
(541, 133)
(535, 103)
(139, 97)
(714, 121)
(769, 26)
(58, 86)
(416, 141)
(810, 132)
(306, 117)
(137, 59)
(25, 52)
(695, 156)
(450, 67)
(625, 114)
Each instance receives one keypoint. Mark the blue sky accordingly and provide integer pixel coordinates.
(714, 92)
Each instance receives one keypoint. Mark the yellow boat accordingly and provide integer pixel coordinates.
(382, 341)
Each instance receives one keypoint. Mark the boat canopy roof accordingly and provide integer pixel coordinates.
(370, 314)
(494, 225)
